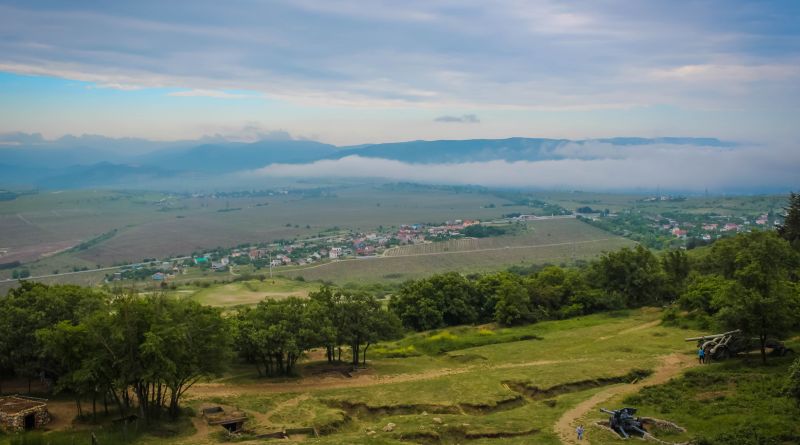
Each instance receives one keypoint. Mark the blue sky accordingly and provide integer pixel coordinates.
(349, 72)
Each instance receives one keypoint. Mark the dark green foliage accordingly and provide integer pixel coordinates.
(513, 304)
(792, 387)
(442, 300)
(94, 241)
(676, 268)
(275, 334)
(790, 229)
(636, 274)
(702, 292)
(483, 231)
(126, 347)
(34, 306)
(759, 298)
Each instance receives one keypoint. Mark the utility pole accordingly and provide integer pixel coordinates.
(269, 255)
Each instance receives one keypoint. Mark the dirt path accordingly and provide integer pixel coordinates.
(671, 366)
(640, 327)
(206, 390)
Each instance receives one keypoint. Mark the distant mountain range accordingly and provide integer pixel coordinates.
(95, 161)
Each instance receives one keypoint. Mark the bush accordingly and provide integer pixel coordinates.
(792, 387)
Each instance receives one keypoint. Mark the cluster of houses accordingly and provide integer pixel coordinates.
(709, 230)
(297, 253)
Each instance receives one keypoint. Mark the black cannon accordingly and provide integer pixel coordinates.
(624, 422)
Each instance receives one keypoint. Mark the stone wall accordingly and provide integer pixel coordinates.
(16, 422)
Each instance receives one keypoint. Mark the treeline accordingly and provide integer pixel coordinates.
(276, 333)
(749, 282)
(137, 353)
(627, 278)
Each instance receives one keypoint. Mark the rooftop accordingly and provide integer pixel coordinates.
(15, 404)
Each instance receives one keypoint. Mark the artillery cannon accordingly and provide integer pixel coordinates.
(722, 346)
(624, 422)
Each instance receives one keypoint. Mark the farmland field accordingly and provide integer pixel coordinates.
(536, 233)
(35, 228)
(721, 205)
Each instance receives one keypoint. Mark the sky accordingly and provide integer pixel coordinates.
(352, 72)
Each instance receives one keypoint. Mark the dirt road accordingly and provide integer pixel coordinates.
(360, 379)
(671, 366)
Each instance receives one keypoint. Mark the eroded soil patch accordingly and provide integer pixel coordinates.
(536, 393)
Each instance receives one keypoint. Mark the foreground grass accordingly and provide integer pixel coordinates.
(465, 385)
(484, 385)
(738, 401)
(106, 434)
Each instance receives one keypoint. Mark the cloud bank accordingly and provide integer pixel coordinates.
(463, 119)
(540, 54)
(587, 167)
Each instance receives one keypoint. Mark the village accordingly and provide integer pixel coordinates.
(298, 253)
(715, 227)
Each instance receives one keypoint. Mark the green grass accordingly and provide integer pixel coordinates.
(107, 434)
(738, 401)
(453, 339)
(246, 292)
(473, 379)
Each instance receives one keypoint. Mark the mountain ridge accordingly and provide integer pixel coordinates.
(60, 164)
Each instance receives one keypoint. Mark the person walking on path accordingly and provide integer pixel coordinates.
(580, 431)
(701, 355)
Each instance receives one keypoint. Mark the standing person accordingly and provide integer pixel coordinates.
(580, 431)
(701, 355)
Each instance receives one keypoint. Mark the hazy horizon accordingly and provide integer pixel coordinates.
(346, 73)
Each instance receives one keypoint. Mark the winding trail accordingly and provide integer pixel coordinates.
(671, 366)
(361, 379)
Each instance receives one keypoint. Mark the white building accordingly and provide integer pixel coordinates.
(335, 252)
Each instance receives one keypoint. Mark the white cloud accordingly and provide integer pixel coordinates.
(517, 54)
(715, 73)
(591, 167)
(216, 94)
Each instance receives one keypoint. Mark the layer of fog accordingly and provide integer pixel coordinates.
(593, 166)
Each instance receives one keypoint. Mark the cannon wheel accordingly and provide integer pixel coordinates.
(707, 351)
(722, 354)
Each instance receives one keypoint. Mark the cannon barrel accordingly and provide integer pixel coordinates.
(607, 411)
(709, 337)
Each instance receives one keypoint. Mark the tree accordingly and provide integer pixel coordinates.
(512, 304)
(761, 301)
(325, 312)
(441, 300)
(676, 267)
(702, 291)
(366, 322)
(34, 306)
(192, 342)
(790, 229)
(635, 274)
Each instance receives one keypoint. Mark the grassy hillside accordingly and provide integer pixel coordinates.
(488, 385)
